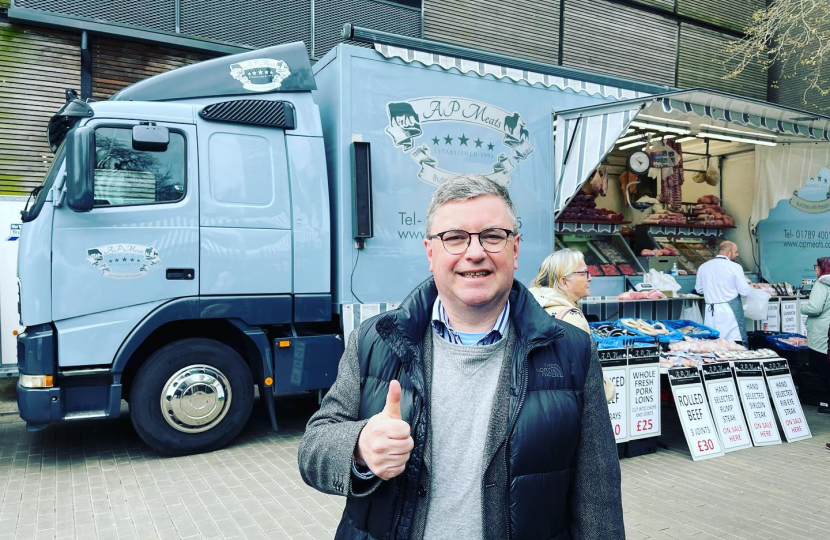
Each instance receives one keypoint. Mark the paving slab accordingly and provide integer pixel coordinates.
(97, 480)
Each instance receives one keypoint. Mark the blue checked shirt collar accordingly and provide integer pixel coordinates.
(441, 325)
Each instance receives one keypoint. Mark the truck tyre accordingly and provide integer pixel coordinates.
(194, 395)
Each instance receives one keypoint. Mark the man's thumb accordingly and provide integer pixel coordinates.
(393, 400)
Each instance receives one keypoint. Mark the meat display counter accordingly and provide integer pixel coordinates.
(692, 247)
(607, 254)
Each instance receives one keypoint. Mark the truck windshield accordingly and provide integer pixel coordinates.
(39, 193)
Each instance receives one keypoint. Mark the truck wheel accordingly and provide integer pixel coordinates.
(191, 396)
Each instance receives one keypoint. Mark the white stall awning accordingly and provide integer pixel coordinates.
(583, 137)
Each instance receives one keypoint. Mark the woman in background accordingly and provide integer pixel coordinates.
(817, 309)
(563, 280)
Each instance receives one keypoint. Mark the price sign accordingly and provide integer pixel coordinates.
(773, 322)
(614, 364)
(790, 317)
(753, 392)
(695, 416)
(726, 406)
(644, 397)
(618, 407)
(803, 325)
(790, 415)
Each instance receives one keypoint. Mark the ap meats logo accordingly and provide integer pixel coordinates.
(458, 131)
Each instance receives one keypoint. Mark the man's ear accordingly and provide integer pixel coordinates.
(428, 246)
(516, 252)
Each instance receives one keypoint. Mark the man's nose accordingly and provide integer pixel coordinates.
(475, 250)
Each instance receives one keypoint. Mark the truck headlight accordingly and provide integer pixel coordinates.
(36, 381)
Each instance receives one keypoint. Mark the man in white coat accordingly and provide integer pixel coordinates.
(722, 283)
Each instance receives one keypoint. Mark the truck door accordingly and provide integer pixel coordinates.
(140, 243)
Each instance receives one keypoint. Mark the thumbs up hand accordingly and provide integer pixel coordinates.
(385, 442)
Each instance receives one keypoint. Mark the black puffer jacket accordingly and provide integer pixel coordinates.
(551, 469)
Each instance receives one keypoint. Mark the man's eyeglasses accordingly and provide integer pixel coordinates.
(585, 272)
(456, 241)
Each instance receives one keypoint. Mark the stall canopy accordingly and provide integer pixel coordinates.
(583, 137)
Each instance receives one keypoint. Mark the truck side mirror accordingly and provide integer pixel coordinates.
(150, 138)
(80, 169)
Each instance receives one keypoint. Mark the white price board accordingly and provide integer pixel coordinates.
(753, 392)
(618, 407)
(726, 406)
(773, 322)
(787, 407)
(644, 397)
(803, 324)
(695, 416)
(790, 319)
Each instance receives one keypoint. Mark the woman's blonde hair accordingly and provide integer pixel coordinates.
(558, 264)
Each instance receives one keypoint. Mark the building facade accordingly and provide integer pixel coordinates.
(97, 47)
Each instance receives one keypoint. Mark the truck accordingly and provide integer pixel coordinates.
(222, 227)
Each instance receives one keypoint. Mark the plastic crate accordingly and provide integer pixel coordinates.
(775, 341)
(703, 332)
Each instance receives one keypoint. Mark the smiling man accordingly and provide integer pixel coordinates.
(468, 412)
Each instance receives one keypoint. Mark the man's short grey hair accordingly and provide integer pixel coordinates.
(469, 186)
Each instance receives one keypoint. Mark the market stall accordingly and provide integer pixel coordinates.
(687, 170)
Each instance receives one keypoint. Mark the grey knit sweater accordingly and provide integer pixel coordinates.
(461, 403)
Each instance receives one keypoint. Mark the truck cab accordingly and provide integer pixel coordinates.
(178, 245)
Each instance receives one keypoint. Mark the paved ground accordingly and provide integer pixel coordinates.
(97, 480)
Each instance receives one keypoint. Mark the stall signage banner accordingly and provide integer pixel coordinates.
(753, 392)
(789, 316)
(773, 322)
(786, 402)
(797, 230)
(695, 416)
(726, 406)
(644, 397)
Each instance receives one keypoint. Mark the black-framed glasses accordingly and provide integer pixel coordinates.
(586, 272)
(457, 241)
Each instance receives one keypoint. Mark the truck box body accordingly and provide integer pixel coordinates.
(459, 123)
(223, 222)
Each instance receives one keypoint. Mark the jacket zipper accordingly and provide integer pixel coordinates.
(513, 423)
(404, 488)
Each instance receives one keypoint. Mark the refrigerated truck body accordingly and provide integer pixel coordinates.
(227, 224)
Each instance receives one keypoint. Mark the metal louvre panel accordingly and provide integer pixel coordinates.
(155, 14)
(522, 28)
(259, 112)
(732, 14)
(331, 15)
(611, 38)
(117, 64)
(37, 66)
(700, 64)
(251, 23)
(666, 5)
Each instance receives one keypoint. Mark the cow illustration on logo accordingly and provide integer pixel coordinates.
(260, 74)
(407, 120)
(123, 261)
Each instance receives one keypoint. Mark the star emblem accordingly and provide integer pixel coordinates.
(435, 140)
(490, 146)
(125, 259)
(478, 142)
(463, 140)
(448, 140)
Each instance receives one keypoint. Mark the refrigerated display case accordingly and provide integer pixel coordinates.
(607, 254)
(694, 246)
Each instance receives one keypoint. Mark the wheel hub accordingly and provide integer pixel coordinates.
(196, 398)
